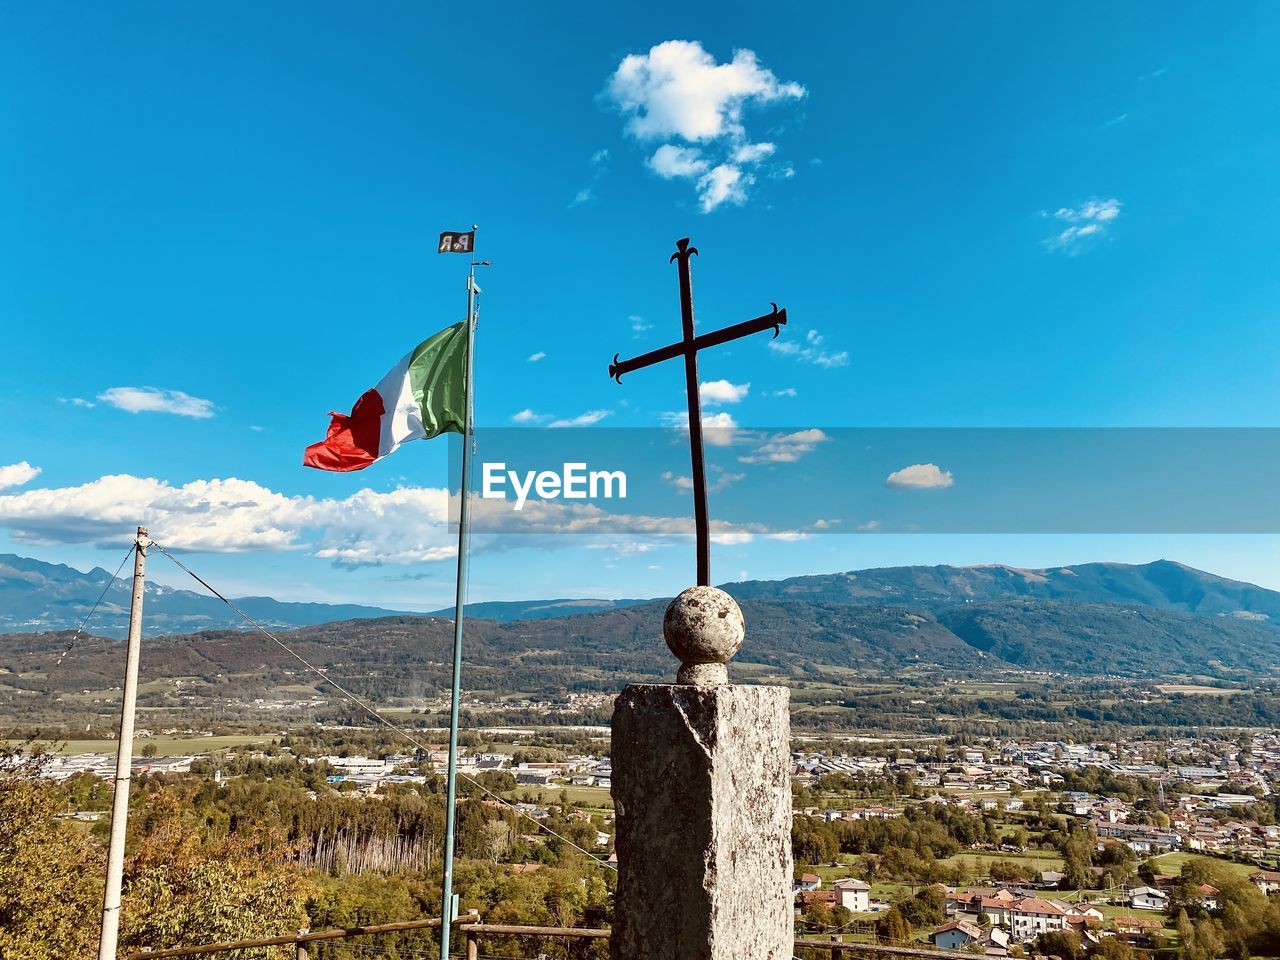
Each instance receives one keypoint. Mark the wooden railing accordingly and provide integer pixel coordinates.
(473, 932)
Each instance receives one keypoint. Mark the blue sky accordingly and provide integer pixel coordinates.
(1008, 215)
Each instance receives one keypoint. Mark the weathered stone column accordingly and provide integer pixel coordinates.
(702, 792)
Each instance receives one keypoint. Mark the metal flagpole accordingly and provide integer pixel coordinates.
(459, 608)
(124, 760)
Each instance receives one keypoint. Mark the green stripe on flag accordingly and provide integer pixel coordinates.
(437, 376)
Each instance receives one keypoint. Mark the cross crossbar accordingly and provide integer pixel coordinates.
(775, 320)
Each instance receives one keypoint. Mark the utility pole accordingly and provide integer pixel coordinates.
(124, 758)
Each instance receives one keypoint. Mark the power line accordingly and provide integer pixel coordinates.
(366, 707)
(83, 623)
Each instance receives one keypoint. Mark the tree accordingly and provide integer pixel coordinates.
(1060, 943)
(894, 927)
(819, 915)
(180, 890)
(49, 887)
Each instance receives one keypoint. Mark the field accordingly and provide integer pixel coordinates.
(1196, 690)
(597, 798)
(165, 746)
(1171, 863)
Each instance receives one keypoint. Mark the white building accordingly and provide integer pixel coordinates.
(1147, 898)
(1032, 916)
(853, 895)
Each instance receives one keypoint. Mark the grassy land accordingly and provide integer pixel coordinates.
(165, 746)
(1171, 863)
(1035, 861)
(596, 797)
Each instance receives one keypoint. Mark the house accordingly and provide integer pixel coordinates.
(806, 898)
(1051, 879)
(1147, 898)
(1208, 896)
(1032, 916)
(853, 895)
(1268, 881)
(973, 904)
(959, 934)
(807, 881)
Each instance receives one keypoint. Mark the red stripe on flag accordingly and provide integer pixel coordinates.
(352, 441)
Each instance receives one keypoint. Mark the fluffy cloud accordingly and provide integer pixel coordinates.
(722, 391)
(1089, 220)
(157, 400)
(535, 357)
(670, 161)
(718, 429)
(582, 419)
(16, 474)
(677, 92)
(786, 447)
(403, 526)
(528, 416)
(719, 482)
(811, 351)
(920, 476)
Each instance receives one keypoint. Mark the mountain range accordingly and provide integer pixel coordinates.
(39, 596)
(1157, 619)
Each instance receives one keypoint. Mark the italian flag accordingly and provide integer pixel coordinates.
(422, 396)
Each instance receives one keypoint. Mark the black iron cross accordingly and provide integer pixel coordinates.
(688, 347)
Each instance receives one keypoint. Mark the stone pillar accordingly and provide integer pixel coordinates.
(702, 792)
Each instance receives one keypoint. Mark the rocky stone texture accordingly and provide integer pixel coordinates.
(701, 787)
(703, 625)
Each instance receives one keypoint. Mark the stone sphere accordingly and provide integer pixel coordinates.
(703, 625)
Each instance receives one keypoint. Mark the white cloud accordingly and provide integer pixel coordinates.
(16, 474)
(920, 476)
(722, 391)
(409, 525)
(718, 429)
(811, 351)
(587, 193)
(528, 416)
(157, 400)
(678, 89)
(78, 402)
(638, 324)
(670, 161)
(784, 392)
(720, 482)
(786, 447)
(582, 419)
(1090, 219)
(677, 92)
(869, 526)
(753, 152)
(723, 184)
(535, 357)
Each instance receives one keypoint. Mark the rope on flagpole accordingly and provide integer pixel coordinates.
(371, 711)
